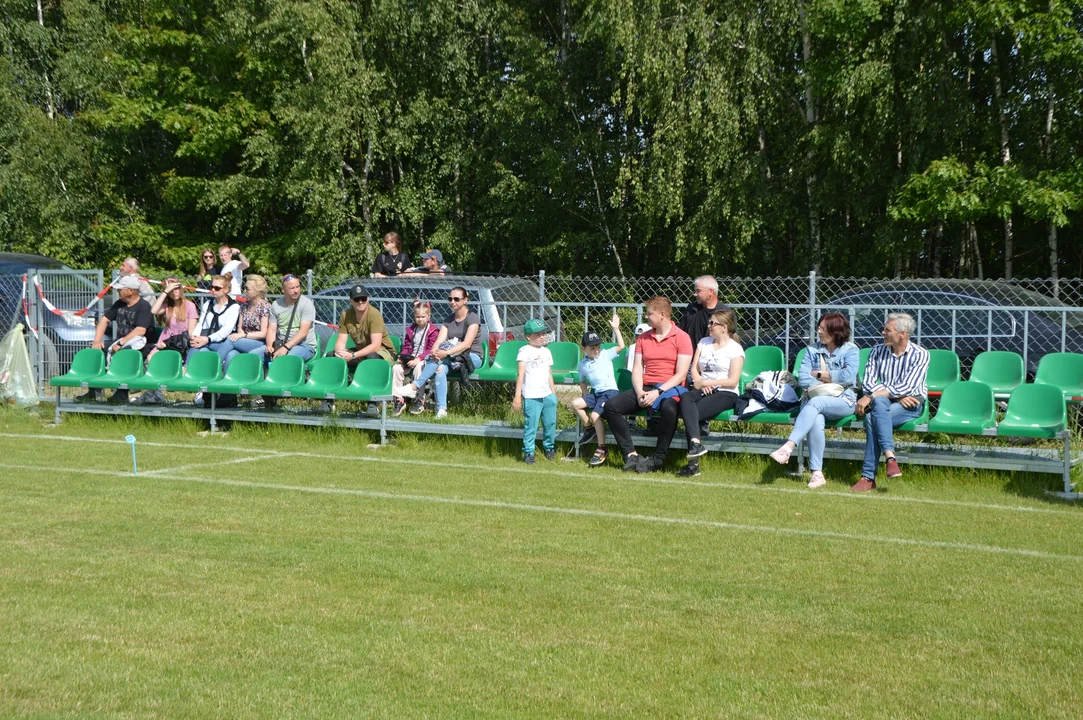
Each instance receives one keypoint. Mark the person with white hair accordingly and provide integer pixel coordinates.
(134, 320)
(698, 313)
(130, 268)
(895, 393)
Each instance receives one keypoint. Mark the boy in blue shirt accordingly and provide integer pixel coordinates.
(596, 374)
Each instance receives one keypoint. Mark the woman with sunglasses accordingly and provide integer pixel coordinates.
(207, 269)
(828, 373)
(252, 322)
(217, 321)
(716, 371)
(459, 337)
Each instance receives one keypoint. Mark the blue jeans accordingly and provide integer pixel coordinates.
(810, 423)
(546, 409)
(244, 345)
(439, 368)
(222, 348)
(881, 417)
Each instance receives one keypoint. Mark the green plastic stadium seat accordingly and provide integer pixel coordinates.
(1035, 410)
(328, 378)
(775, 418)
(798, 360)
(244, 372)
(943, 370)
(284, 374)
(862, 363)
(372, 378)
(203, 369)
(967, 407)
(126, 366)
(87, 364)
(1062, 370)
(922, 419)
(504, 367)
(329, 350)
(1002, 371)
(164, 367)
(397, 342)
(761, 358)
(620, 362)
(565, 362)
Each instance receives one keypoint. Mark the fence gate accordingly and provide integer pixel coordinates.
(64, 308)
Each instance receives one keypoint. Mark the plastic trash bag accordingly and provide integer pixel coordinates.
(17, 385)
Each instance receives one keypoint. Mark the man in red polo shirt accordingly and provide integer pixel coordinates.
(662, 357)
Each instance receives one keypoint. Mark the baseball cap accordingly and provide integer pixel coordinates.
(642, 328)
(357, 291)
(534, 326)
(430, 253)
(126, 282)
(591, 338)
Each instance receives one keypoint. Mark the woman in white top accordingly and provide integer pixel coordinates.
(716, 370)
(218, 320)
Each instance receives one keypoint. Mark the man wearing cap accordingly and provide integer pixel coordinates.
(432, 263)
(365, 326)
(134, 319)
(598, 383)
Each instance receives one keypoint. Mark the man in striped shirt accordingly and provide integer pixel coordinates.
(895, 393)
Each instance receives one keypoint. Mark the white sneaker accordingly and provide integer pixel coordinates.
(782, 455)
(441, 414)
(818, 480)
(409, 390)
(198, 399)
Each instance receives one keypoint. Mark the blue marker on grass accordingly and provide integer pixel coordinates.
(131, 439)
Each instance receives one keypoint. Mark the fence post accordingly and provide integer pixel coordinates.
(811, 305)
(541, 295)
(33, 342)
(308, 278)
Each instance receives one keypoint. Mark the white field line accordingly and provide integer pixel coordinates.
(215, 463)
(625, 477)
(584, 512)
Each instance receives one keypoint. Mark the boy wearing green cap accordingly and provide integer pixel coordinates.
(535, 391)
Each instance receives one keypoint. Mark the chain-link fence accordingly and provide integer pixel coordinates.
(1030, 317)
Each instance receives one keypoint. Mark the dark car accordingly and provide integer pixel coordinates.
(967, 316)
(69, 291)
(504, 304)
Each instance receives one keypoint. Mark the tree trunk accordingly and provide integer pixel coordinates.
(1054, 261)
(1005, 151)
(938, 242)
(810, 121)
(50, 108)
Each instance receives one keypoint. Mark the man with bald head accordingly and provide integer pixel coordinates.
(695, 317)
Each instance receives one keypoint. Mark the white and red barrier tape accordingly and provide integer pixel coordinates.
(79, 313)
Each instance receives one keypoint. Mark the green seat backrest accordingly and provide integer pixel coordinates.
(862, 361)
(965, 407)
(1062, 370)
(620, 362)
(165, 364)
(329, 346)
(565, 356)
(761, 358)
(999, 369)
(624, 379)
(800, 359)
(506, 354)
(286, 370)
(328, 371)
(206, 365)
(397, 342)
(87, 363)
(245, 368)
(943, 369)
(127, 364)
(374, 375)
(1035, 410)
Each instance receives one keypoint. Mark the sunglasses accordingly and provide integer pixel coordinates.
(452, 298)
(361, 299)
(208, 257)
(712, 323)
(217, 287)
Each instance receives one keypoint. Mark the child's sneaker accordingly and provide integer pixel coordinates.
(398, 405)
(599, 457)
(550, 455)
(587, 435)
(529, 459)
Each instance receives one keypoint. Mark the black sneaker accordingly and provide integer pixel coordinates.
(550, 455)
(689, 470)
(631, 462)
(397, 406)
(587, 435)
(327, 406)
(88, 396)
(649, 464)
(529, 459)
(704, 428)
(269, 402)
(418, 406)
(119, 397)
(373, 410)
(696, 449)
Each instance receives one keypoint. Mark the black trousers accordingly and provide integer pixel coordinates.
(695, 405)
(620, 406)
(354, 362)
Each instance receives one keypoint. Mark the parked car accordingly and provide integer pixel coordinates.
(504, 304)
(60, 336)
(933, 303)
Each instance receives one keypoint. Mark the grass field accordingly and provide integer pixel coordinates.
(282, 572)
